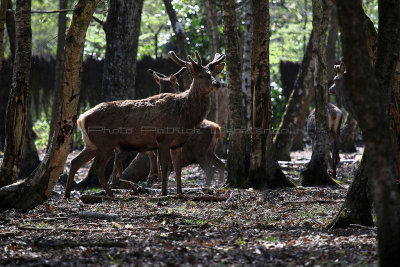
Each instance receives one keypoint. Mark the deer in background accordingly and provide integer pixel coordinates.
(199, 148)
(335, 117)
(147, 124)
(339, 88)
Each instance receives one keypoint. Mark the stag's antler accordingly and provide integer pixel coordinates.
(176, 59)
(158, 74)
(180, 72)
(217, 60)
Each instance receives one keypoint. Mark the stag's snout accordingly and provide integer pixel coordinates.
(216, 84)
(332, 89)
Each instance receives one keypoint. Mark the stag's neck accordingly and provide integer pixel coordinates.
(196, 105)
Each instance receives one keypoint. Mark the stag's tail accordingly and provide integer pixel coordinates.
(85, 136)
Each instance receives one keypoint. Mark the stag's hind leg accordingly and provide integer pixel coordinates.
(83, 157)
(99, 168)
(217, 162)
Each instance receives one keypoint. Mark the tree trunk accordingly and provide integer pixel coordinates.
(264, 170)
(30, 157)
(3, 10)
(10, 23)
(316, 170)
(38, 186)
(348, 135)
(213, 44)
(217, 111)
(298, 100)
(247, 67)
(351, 209)
(180, 36)
(238, 157)
(355, 210)
(18, 100)
(58, 79)
(122, 30)
(370, 95)
(331, 45)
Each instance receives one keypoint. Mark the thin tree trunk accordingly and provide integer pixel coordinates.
(315, 172)
(246, 73)
(10, 23)
(18, 100)
(238, 158)
(298, 100)
(58, 79)
(3, 10)
(30, 157)
(370, 95)
(264, 170)
(180, 38)
(213, 44)
(38, 186)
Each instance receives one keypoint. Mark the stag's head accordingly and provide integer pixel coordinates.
(167, 84)
(203, 76)
(339, 79)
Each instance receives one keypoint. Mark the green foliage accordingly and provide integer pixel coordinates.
(42, 129)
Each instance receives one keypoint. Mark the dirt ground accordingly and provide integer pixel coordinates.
(235, 227)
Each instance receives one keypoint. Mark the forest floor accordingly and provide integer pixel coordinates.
(222, 226)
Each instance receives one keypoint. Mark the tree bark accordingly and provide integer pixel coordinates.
(355, 210)
(348, 135)
(370, 95)
(247, 65)
(10, 23)
(213, 44)
(180, 36)
(122, 29)
(315, 172)
(38, 186)
(58, 79)
(18, 100)
(3, 10)
(264, 170)
(238, 156)
(299, 97)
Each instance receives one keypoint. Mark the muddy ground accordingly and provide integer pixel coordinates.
(235, 227)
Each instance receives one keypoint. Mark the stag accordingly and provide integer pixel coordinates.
(200, 146)
(147, 124)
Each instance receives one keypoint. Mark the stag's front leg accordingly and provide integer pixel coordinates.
(164, 158)
(176, 156)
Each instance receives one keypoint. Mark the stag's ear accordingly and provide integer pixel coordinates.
(156, 78)
(217, 69)
(172, 78)
(342, 67)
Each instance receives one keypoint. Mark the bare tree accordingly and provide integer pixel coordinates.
(16, 115)
(38, 187)
(315, 172)
(264, 170)
(238, 156)
(58, 79)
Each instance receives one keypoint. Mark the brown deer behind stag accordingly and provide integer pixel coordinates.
(147, 124)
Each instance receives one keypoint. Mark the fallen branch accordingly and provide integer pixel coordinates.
(363, 227)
